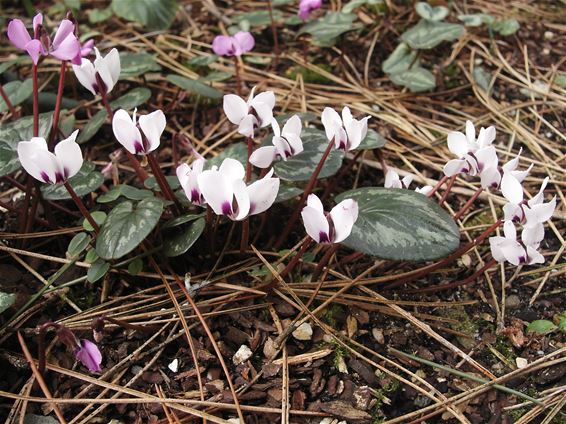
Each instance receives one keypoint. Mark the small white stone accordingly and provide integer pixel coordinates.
(233, 420)
(242, 355)
(303, 332)
(326, 421)
(521, 363)
(548, 35)
(174, 365)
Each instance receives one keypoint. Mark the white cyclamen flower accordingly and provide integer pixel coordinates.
(392, 180)
(47, 167)
(286, 143)
(127, 130)
(508, 249)
(188, 177)
(256, 112)
(474, 156)
(532, 212)
(226, 192)
(329, 228)
(108, 69)
(346, 132)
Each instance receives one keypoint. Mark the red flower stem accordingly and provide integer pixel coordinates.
(162, 182)
(295, 259)
(437, 186)
(141, 173)
(276, 49)
(11, 107)
(447, 192)
(174, 150)
(127, 325)
(457, 254)
(455, 284)
(82, 207)
(35, 100)
(330, 251)
(308, 190)
(58, 101)
(33, 211)
(244, 241)
(469, 203)
(238, 78)
(41, 344)
(250, 142)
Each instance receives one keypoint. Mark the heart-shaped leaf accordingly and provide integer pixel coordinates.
(97, 270)
(195, 87)
(135, 64)
(129, 192)
(429, 34)
(541, 326)
(400, 225)
(78, 244)
(326, 30)
(400, 60)
(415, 79)
(182, 239)
(17, 92)
(506, 27)
(477, 19)
(6, 301)
(238, 151)
(301, 166)
(92, 126)
(86, 181)
(98, 216)
(152, 14)
(126, 226)
(426, 11)
(287, 192)
(373, 140)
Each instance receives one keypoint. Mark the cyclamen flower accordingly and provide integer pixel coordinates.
(329, 228)
(65, 45)
(306, 7)
(226, 192)
(235, 45)
(89, 355)
(286, 143)
(346, 132)
(257, 112)
(474, 156)
(532, 212)
(107, 68)
(86, 48)
(392, 180)
(47, 167)
(518, 252)
(188, 177)
(127, 130)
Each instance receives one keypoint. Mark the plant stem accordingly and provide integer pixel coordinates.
(468, 204)
(11, 107)
(250, 143)
(447, 192)
(238, 78)
(244, 241)
(274, 32)
(330, 251)
(82, 207)
(41, 344)
(295, 259)
(58, 102)
(162, 182)
(437, 186)
(35, 100)
(308, 190)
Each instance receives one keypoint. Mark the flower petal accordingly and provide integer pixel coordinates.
(235, 108)
(541, 212)
(511, 189)
(539, 197)
(470, 133)
(496, 251)
(262, 193)
(86, 74)
(217, 190)
(275, 127)
(247, 126)
(344, 215)
(457, 143)
(513, 252)
(314, 202)
(264, 112)
(534, 257)
(331, 122)
(392, 179)
(242, 199)
(232, 169)
(18, 34)
(34, 50)
(67, 49)
(454, 167)
(112, 62)
(292, 127)
(69, 155)
(263, 157)
(486, 137)
(486, 157)
(245, 41)
(66, 28)
(282, 147)
(89, 355)
(532, 235)
(126, 132)
(39, 162)
(513, 212)
(490, 177)
(153, 125)
(316, 224)
(222, 45)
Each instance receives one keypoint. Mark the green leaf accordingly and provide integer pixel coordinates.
(97, 270)
(477, 19)
(204, 60)
(326, 30)
(482, 78)
(560, 80)
(151, 183)
(258, 18)
(400, 225)
(435, 14)
(127, 225)
(287, 192)
(92, 126)
(216, 76)
(134, 64)
(181, 240)
(180, 220)
(78, 244)
(541, 326)
(415, 79)
(238, 151)
(277, 3)
(427, 34)
(195, 87)
(300, 167)
(354, 4)
(129, 192)
(400, 60)
(17, 92)
(96, 16)
(373, 140)
(6, 301)
(98, 216)
(152, 14)
(135, 267)
(91, 256)
(304, 116)
(86, 181)
(506, 27)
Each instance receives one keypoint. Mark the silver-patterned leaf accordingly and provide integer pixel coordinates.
(126, 226)
(326, 30)
(400, 225)
(6, 301)
(428, 34)
(400, 59)
(182, 239)
(86, 181)
(238, 151)
(301, 166)
(78, 244)
(195, 86)
(426, 11)
(373, 140)
(97, 270)
(17, 92)
(415, 79)
(152, 14)
(135, 64)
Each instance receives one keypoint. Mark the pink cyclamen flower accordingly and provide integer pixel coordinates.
(346, 131)
(306, 7)
(226, 192)
(188, 177)
(286, 143)
(127, 130)
(89, 355)
(86, 49)
(233, 45)
(47, 167)
(329, 228)
(65, 45)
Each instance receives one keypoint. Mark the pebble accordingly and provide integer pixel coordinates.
(513, 301)
(243, 354)
(174, 365)
(303, 332)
